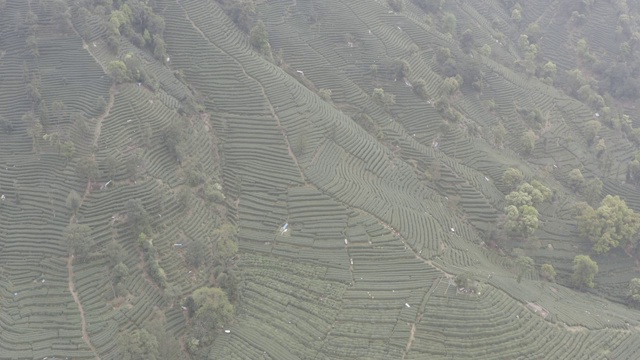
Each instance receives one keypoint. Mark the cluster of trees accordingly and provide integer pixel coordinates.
(521, 212)
(155, 271)
(79, 240)
(241, 12)
(209, 308)
(613, 224)
(118, 269)
(259, 38)
(584, 271)
(151, 342)
(590, 189)
(131, 70)
(134, 19)
(633, 170)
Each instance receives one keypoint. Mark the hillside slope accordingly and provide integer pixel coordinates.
(385, 203)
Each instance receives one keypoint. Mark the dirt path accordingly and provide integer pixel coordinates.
(74, 293)
(98, 129)
(412, 337)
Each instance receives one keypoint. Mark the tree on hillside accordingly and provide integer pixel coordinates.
(449, 23)
(633, 170)
(499, 132)
(73, 201)
(212, 309)
(548, 272)
(592, 191)
(544, 191)
(138, 345)
(137, 216)
(576, 180)
(634, 290)
(528, 142)
(401, 68)
(612, 225)
(226, 245)
(584, 271)
(522, 220)
(118, 71)
(196, 252)
(168, 346)
(78, 239)
(383, 99)
(420, 89)
(87, 168)
(259, 38)
(522, 216)
(467, 41)
(523, 264)
(512, 177)
(591, 130)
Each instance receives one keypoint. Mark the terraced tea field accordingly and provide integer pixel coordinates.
(353, 217)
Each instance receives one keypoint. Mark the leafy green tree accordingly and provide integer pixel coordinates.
(212, 309)
(591, 130)
(402, 69)
(523, 219)
(87, 168)
(420, 89)
(549, 69)
(383, 99)
(528, 142)
(115, 252)
(499, 132)
(523, 264)
(592, 191)
(612, 225)
(118, 71)
(73, 201)
(545, 191)
(226, 245)
(159, 48)
(584, 271)
(634, 290)
(601, 148)
(120, 272)
(467, 41)
(138, 345)
(512, 177)
(137, 216)
(168, 346)
(548, 272)
(576, 180)
(213, 193)
(449, 86)
(325, 94)
(78, 239)
(259, 38)
(67, 149)
(195, 254)
(449, 23)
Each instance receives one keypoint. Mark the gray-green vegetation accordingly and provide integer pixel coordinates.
(227, 179)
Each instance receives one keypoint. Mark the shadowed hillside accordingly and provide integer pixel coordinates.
(361, 179)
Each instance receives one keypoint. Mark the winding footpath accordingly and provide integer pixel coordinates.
(74, 293)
